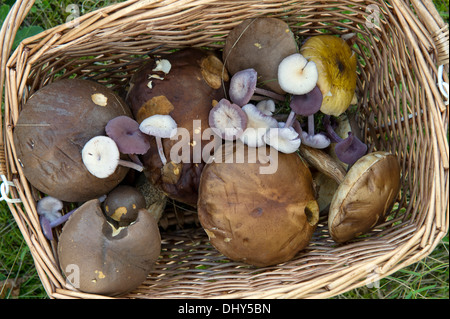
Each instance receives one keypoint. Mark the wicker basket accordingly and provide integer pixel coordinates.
(400, 44)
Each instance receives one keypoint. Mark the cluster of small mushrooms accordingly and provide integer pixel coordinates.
(108, 163)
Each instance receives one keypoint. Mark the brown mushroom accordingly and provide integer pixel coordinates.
(186, 93)
(259, 219)
(123, 203)
(52, 129)
(365, 196)
(261, 44)
(108, 261)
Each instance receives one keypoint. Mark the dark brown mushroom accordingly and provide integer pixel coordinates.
(123, 203)
(187, 93)
(259, 219)
(52, 129)
(98, 258)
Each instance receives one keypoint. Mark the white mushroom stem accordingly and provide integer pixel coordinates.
(131, 165)
(161, 150)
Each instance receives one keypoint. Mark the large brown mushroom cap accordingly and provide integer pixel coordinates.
(109, 261)
(259, 219)
(53, 127)
(365, 196)
(261, 44)
(186, 93)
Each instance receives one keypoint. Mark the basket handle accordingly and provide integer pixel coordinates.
(438, 29)
(8, 32)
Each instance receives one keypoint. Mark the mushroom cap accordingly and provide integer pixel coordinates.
(49, 207)
(110, 261)
(101, 156)
(259, 219)
(257, 125)
(242, 86)
(365, 196)
(159, 125)
(266, 107)
(187, 93)
(336, 65)
(350, 149)
(260, 44)
(285, 140)
(307, 104)
(318, 140)
(123, 203)
(227, 120)
(297, 75)
(125, 132)
(53, 126)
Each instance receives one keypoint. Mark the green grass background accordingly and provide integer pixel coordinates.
(427, 279)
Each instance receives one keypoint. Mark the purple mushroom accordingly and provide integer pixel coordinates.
(227, 120)
(243, 86)
(307, 105)
(348, 150)
(129, 139)
(48, 209)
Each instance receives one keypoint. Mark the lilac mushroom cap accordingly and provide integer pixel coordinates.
(242, 86)
(307, 104)
(125, 132)
(347, 150)
(49, 211)
(228, 120)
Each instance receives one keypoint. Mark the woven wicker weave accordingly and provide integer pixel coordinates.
(401, 110)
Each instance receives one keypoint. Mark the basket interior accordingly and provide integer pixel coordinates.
(391, 117)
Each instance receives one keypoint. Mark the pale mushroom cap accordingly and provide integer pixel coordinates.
(319, 140)
(227, 120)
(257, 125)
(297, 75)
(365, 196)
(266, 107)
(285, 140)
(101, 156)
(163, 126)
(49, 207)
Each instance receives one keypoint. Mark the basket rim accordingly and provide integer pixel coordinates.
(420, 243)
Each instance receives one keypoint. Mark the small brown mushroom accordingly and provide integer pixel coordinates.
(54, 126)
(123, 203)
(259, 219)
(109, 261)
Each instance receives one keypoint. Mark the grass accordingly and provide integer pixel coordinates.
(426, 279)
